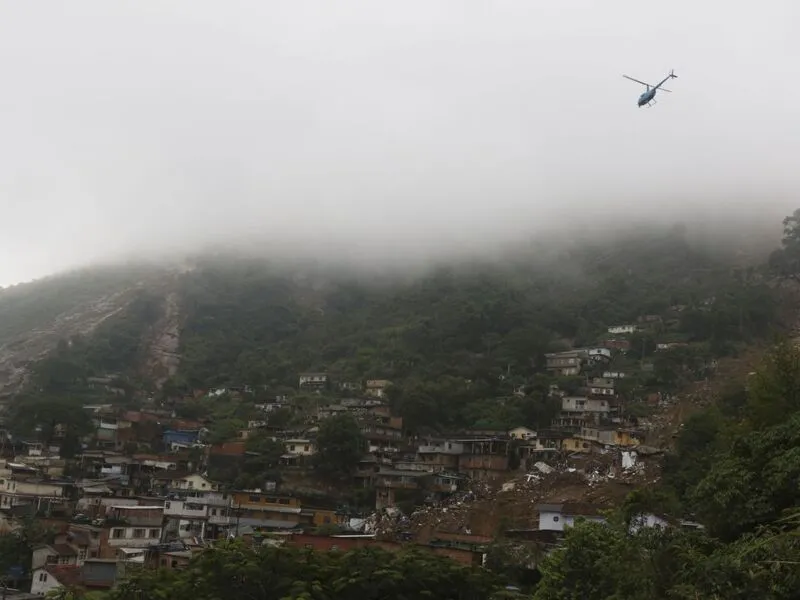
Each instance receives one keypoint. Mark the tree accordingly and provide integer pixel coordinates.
(231, 570)
(775, 388)
(786, 260)
(225, 430)
(753, 483)
(340, 446)
(595, 562)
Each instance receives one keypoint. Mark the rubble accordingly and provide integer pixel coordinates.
(484, 509)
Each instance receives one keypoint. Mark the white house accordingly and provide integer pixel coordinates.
(613, 375)
(194, 482)
(622, 329)
(134, 526)
(522, 433)
(582, 404)
(313, 380)
(555, 517)
(300, 446)
(17, 493)
(52, 577)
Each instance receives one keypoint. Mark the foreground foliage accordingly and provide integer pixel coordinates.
(234, 571)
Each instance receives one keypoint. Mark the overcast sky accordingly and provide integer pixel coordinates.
(380, 126)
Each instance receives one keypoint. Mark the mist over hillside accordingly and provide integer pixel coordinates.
(241, 313)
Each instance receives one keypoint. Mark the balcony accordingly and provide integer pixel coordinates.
(191, 510)
(453, 449)
(397, 484)
(220, 520)
(206, 498)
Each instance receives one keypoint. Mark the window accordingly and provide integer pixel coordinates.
(154, 533)
(305, 448)
(555, 519)
(138, 533)
(117, 534)
(255, 498)
(82, 554)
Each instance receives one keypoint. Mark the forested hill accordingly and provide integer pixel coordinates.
(247, 322)
(251, 321)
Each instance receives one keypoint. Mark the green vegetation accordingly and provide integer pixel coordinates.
(30, 306)
(464, 348)
(737, 468)
(340, 446)
(231, 570)
(252, 323)
(603, 561)
(455, 337)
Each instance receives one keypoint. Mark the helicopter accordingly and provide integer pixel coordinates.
(648, 96)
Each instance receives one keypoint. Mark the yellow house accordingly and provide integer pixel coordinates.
(626, 437)
(576, 444)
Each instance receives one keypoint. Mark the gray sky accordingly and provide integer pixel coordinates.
(380, 126)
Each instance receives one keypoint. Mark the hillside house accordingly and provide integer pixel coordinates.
(54, 577)
(598, 355)
(620, 344)
(440, 455)
(315, 381)
(601, 386)
(194, 482)
(483, 457)
(53, 554)
(300, 446)
(376, 387)
(556, 517)
(583, 404)
(18, 491)
(565, 363)
(610, 436)
(622, 329)
(522, 433)
(613, 375)
(180, 437)
(383, 433)
(332, 410)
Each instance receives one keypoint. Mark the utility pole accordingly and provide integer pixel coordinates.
(238, 516)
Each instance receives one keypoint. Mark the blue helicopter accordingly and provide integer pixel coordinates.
(648, 96)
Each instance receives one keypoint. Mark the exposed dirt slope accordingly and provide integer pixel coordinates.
(17, 354)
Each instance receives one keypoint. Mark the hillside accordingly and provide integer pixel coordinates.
(232, 320)
(466, 350)
(34, 317)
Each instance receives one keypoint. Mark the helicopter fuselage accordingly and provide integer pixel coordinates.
(646, 97)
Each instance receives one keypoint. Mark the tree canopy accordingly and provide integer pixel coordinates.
(232, 570)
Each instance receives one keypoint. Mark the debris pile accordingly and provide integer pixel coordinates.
(485, 509)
